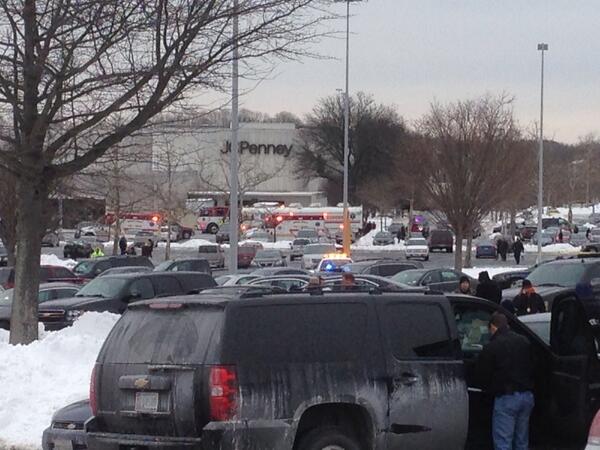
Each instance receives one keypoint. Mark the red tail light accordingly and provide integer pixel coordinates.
(9, 285)
(594, 436)
(93, 399)
(223, 389)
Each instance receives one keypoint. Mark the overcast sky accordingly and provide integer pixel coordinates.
(411, 53)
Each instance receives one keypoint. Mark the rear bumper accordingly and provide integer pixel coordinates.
(76, 438)
(246, 435)
(55, 326)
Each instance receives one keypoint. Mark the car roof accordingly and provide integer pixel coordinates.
(152, 274)
(585, 261)
(59, 285)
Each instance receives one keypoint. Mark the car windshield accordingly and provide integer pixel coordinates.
(565, 275)
(414, 242)
(383, 234)
(268, 254)
(143, 233)
(163, 266)
(319, 249)
(541, 328)
(409, 277)
(105, 287)
(301, 242)
(84, 267)
(307, 233)
(207, 249)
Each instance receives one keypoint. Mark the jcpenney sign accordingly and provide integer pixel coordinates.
(258, 149)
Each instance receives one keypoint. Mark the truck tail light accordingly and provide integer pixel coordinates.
(223, 391)
(93, 399)
(594, 436)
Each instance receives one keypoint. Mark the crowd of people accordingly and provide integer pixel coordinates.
(127, 249)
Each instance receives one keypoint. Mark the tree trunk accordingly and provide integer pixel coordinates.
(31, 198)
(468, 262)
(458, 253)
(513, 223)
(116, 249)
(168, 247)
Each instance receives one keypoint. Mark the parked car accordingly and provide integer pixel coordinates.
(77, 249)
(222, 233)
(441, 240)
(417, 248)
(394, 228)
(298, 245)
(164, 234)
(235, 279)
(555, 222)
(332, 265)
(234, 368)
(578, 240)
(445, 280)
(381, 267)
(51, 239)
(486, 249)
(126, 269)
(91, 268)
(259, 236)
(562, 278)
(142, 237)
(246, 253)
(272, 271)
(114, 293)
(213, 254)
(287, 283)
(47, 292)
(66, 431)
(184, 265)
(48, 274)
(546, 239)
(383, 238)
(505, 280)
(314, 253)
(269, 258)
(527, 232)
(3, 255)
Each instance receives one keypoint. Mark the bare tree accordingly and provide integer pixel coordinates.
(467, 155)
(76, 78)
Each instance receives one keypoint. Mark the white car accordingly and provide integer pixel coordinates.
(314, 253)
(164, 233)
(417, 248)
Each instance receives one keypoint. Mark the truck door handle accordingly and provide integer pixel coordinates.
(407, 379)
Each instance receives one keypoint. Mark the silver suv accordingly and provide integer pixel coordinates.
(213, 254)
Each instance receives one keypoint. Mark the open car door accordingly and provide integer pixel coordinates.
(574, 381)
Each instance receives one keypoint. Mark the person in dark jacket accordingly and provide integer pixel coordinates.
(502, 247)
(528, 301)
(560, 236)
(504, 369)
(488, 288)
(518, 249)
(402, 233)
(464, 286)
(123, 245)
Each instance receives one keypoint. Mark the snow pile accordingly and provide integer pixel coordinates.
(40, 378)
(366, 243)
(190, 244)
(279, 245)
(473, 272)
(558, 249)
(53, 260)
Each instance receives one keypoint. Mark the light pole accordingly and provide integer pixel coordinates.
(234, 155)
(543, 48)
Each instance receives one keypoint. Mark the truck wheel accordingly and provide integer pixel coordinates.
(212, 228)
(334, 438)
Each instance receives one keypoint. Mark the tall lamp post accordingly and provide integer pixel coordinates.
(347, 231)
(543, 48)
(234, 155)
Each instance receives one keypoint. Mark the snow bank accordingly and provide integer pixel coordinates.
(192, 243)
(474, 271)
(38, 379)
(558, 249)
(366, 243)
(53, 260)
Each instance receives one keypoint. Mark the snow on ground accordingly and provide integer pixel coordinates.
(279, 245)
(53, 260)
(40, 378)
(192, 243)
(366, 242)
(474, 271)
(557, 249)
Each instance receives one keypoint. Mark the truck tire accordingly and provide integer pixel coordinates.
(212, 228)
(329, 437)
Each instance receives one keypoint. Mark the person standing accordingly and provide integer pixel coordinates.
(97, 253)
(151, 247)
(528, 301)
(488, 289)
(502, 247)
(518, 249)
(123, 245)
(560, 236)
(588, 232)
(504, 369)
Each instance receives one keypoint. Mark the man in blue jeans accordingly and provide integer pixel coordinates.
(505, 370)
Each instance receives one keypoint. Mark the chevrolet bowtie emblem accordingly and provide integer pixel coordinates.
(71, 426)
(141, 383)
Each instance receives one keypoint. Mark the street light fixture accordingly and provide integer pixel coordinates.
(543, 48)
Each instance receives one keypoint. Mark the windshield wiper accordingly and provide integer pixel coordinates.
(90, 295)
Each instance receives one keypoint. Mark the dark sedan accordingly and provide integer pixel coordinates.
(67, 427)
(383, 238)
(77, 249)
(445, 280)
(486, 250)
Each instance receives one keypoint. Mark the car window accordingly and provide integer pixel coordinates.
(431, 277)
(290, 284)
(564, 274)
(449, 275)
(208, 249)
(417, 331)
(45, 296)
(142, 288)
(330, 333)
(65, 293)
(61, 272)
(102, 266)
(473, 332)
(165, 286)
(44, 273)
(387, 270)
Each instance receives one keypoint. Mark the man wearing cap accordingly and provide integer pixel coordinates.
(505, 371)
(528, 301)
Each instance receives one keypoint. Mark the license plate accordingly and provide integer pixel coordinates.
(63, 444)
(146, 401)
